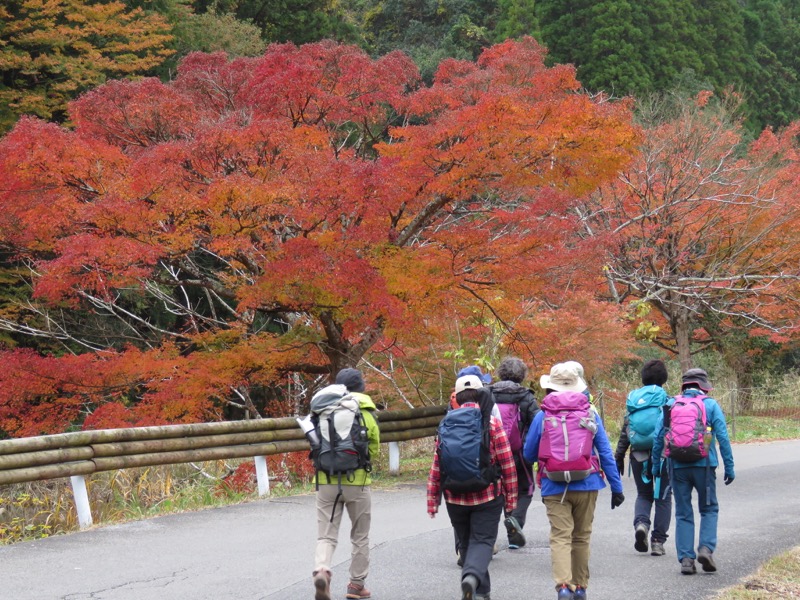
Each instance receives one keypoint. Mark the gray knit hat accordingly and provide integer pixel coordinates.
(351, 379)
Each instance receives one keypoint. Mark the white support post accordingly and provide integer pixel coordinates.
(81, 501)
(394, 457)
(262, 475)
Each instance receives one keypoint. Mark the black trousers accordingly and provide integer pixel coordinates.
(476, 530)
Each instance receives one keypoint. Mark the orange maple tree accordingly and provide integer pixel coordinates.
(703, 226)
(226, 238)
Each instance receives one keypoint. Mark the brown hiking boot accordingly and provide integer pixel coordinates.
(322, 584)
(357, 590)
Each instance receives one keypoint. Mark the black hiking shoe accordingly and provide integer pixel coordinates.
(515, 537)
(641, 537)
(706, 558)
(687, 566)
(468, 586)
(564, 593)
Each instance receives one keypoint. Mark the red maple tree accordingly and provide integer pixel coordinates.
(261, 222)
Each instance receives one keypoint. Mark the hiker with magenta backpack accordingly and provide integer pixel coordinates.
(686, 435)
(345, 439)
(568, 440)
(473, 468)
(518, 407)
(644, 407)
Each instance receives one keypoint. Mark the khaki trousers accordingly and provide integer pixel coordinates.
(357, 500)
(570, 532)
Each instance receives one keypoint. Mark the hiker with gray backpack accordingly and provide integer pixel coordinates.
(686, 439)
(643, 408)
(473, 469)
(568, 440)
(345, 439)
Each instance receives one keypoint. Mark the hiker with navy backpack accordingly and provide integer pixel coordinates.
(518, 407)
(473, 468)
(643, 408)
(686, 439)
(345, 439)
(568, 440)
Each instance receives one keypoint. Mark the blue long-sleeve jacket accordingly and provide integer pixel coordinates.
(602, 448)
(715, 418)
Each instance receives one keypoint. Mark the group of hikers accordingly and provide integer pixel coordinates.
(496, 443)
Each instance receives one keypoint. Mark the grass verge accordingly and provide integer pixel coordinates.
(779, 577)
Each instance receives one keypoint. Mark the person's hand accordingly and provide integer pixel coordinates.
(729, 477)
(617, 498)
(656, 468)
(621, 466)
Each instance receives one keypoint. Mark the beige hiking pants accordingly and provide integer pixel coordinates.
(357, 501)
(570, 532)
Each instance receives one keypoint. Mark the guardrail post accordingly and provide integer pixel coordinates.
(262, 475)
(394, 457)
(81, 501)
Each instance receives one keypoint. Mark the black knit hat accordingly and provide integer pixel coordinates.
(654, 372)
(351, 379)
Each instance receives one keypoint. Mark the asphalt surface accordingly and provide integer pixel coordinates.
(263, 550)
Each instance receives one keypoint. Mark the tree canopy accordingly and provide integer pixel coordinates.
(214, 240)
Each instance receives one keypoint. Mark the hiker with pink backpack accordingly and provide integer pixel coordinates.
(686, 438)
(518, 407)
(568, 440)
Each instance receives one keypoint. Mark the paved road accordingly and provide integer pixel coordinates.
(263, 550)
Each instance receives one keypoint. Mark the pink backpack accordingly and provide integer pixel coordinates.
(512, 423)
(684, 440)
(568, 428)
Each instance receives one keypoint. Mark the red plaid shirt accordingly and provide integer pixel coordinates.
(501, 454)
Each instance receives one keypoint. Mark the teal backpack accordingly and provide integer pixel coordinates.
(644, 406)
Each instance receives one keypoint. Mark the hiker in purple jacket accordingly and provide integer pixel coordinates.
(570, 501)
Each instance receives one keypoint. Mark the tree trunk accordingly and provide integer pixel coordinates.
(681, 329)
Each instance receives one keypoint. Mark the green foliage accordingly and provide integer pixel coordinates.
(298, 21)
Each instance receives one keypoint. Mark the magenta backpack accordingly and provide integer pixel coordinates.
(684, 441)
(568, 428)
(512, 423)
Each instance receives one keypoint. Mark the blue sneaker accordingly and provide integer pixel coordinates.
(579, 593)
(564, 593)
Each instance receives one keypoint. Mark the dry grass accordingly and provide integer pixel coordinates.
(779, 577)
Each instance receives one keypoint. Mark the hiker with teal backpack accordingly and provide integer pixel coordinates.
(686, 440)
(568, 440)
(345, 440)
(473, 469)
(644, 406)
(518, 407)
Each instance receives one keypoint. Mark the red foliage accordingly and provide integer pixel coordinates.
(294, 211)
